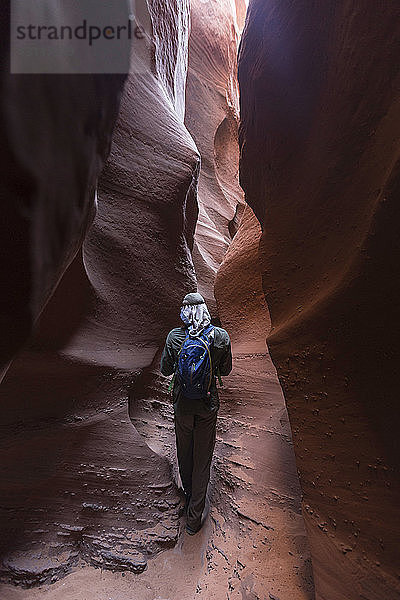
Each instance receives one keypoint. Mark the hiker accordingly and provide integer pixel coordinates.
(196, 354)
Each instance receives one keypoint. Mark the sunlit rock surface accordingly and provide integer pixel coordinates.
(319, 164)
(212, 119)
(239, 292)
(256, 397)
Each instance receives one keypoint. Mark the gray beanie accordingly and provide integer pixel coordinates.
(193, 298)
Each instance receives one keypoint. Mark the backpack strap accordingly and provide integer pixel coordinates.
(207, 347)
(171, 383)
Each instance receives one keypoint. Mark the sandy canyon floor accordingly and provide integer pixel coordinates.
(253, 544)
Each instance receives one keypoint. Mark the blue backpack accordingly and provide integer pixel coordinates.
(194, 368)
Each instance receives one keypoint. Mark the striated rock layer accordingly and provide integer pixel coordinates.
(212, 119)
(319, 143)
(77, 480)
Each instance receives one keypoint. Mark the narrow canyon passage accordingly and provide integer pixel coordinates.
(252, 154)
(107, 493)
(253, 544)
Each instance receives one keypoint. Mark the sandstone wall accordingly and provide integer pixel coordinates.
(319, 144)
(212, 119)
(238, 290)
(51, 157)
(78, 483)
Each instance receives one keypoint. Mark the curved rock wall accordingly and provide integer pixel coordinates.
(238, 289)
(253, 395)
(51, 158)
(320, 148)
(78, 482)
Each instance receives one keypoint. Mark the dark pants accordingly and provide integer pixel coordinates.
(195, 441)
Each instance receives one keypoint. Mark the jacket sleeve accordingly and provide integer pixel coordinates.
(225, 365)
(167, 359)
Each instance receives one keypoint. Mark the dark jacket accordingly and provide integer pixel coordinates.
(221, 357)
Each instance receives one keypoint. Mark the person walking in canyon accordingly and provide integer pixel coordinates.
(196, 354)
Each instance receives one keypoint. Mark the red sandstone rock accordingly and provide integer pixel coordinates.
(211, 118)
(77, 480)
(238, 289)
(56, 133)
(319, 165)
(254, 538)
(257, 398)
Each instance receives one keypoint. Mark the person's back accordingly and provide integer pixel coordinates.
(195, 418)
(221, 361)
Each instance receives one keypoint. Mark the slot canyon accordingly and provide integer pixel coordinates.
(254, 157)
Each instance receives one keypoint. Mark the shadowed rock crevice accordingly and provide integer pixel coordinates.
(89, 472)
(51, 158)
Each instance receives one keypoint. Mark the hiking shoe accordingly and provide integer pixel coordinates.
(191, 531)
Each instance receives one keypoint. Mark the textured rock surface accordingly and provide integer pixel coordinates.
(319, 150)
(77, 481)
(50, 160)
(239, 292)
(80, 486)
(212, 119)
(253, 545)
(319, 164)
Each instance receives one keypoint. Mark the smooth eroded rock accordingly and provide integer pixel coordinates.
(319, 164)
